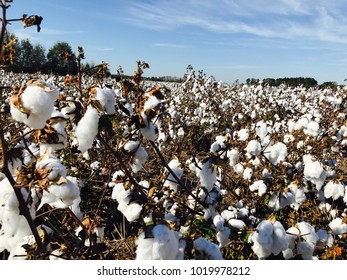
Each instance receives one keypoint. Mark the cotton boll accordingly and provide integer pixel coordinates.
(259, 186)
(305, 249)
(338, 226)
(314, 172)
(253, 148)
(280, 242)
(131, 146)
(223, 236)
(276, 153)
(149, 131)
(175, 166)
(247, 173)
(334, 190)
(208, 176)
(87, 129)
(238, 224)
(144, 247)
(233, 156)
(140, 157)
(207, 249)
(166, 244)
(106, 97)
(131, 210)
(218, 221)
(152, 102)
(36, 104)
(60, 196)
(312, 129)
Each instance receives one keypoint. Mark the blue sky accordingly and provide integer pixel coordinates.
(229, 39)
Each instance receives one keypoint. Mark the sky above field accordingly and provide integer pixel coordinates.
(229, 39)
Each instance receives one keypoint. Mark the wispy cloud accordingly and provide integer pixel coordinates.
(287, 19)
(169, 45)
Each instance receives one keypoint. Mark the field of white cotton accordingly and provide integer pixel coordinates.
(194, 170)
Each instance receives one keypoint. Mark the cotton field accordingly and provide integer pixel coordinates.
(202, 169)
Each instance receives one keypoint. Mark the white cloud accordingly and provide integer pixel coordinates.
(169, 45)
(287, 19)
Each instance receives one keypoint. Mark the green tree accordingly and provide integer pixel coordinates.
(61, 60)
(38, 58)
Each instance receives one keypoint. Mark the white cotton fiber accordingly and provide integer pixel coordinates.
(87, 129)
(209, 249)
(60, 196)
(38, 103)
(338, 226)
(207, 176)
(253, 147)
(106, 97)
(175, 166)
(334, 190)
(165, 244)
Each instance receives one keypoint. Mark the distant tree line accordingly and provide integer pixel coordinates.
(293, 82)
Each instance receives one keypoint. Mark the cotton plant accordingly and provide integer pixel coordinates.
(34, 103)
(163, 244)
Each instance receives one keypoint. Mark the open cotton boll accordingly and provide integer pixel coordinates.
(338, 226)
(253, 148)
(259, 186)
(334, 190)
(166, 244)
(152, 102)
(106, 97)
(208, 175)
(149, 132)
(312, 129)
(175, 166)
(235, 223)
(131, 146)
(51, 164)
(34, 105)
(280, 242)
(140, 157)
(314, 172)
(276, 153)
(131, 210)
(60, 196)
(87, 129)
(207, 249)
(233, 156)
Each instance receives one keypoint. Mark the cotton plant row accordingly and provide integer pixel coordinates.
(234, 159)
